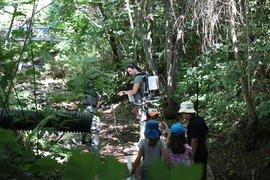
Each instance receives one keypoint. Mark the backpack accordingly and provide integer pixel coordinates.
(147, 89)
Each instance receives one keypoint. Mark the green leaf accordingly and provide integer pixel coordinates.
(4, 83)
(82, 166)
(18, 33)
(6, 136)
(187, 173)
(42, 123)
(29, 2)
(112, 169)
(30, 71)
(47, 165)
(19, 14)
(163, 171)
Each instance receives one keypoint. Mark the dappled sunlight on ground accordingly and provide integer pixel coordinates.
(118, 138)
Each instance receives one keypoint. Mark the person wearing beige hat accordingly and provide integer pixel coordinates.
(196, 134)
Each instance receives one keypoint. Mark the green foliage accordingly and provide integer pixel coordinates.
(17, 162)
(267, 161)
(264, 107)
(179, 172)
(82, 166)
(20, 163)
(188, 173)
(215, 80)
(84, 53)
(89, 166)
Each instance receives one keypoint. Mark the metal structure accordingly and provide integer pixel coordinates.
(37, 33)
(61, 121)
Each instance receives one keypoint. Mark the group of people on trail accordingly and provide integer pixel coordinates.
(185, 145)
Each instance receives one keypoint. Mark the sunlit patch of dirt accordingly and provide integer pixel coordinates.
(118, 137)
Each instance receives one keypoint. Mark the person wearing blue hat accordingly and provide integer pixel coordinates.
(151, 148)
(179, 152)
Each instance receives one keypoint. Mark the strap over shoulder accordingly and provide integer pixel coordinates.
(141, 74)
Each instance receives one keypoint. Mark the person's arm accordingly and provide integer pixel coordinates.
(137, 161)
(131, 92)
(194, 144)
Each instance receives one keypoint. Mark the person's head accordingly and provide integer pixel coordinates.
(152, 113)
(187, 110)
(152, 132)
(177, 138)
(133, 69)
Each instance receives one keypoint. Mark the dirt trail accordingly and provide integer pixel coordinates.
(118, 137)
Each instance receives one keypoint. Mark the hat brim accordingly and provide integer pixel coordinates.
(178, 133)
(153, 114)
(187, 111)
(152, 134)
(177, 129)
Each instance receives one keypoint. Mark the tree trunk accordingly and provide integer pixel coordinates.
(114, 46)
(112, 41)
(251, 125)
(132, 30)
(149, 20)
(146, 35)
(173, 52)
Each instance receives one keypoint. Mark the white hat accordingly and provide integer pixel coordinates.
(186, 107)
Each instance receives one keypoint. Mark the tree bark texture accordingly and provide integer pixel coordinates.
(146, 34)
(132, 30)
(112, 41)
(11, 23)
(175, 24)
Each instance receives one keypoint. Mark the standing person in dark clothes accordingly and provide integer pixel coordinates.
(90, 101)
(196, 134)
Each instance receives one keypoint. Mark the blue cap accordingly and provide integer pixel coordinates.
(152, 130)
(177, 129)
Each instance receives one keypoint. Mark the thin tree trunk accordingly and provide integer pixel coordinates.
(132, 30)
(11, 24)
(27, 37)
(112, 41)
(169, 20)
(150, 19)
(253, 119)
(146, 35)
(114, 46)
(179, 42)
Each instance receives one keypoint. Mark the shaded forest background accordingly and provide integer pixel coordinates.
(214, 53)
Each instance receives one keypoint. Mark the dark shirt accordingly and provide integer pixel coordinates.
(197, 129)
(90, 98)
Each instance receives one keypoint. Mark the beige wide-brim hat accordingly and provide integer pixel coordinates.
(187, 107)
